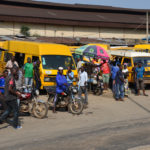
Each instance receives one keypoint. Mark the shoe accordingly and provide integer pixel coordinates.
(145, 95)
(18, 127)
(121, 99)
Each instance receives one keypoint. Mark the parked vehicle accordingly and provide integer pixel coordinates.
(131, 57)
(66, 100)
(29, 102)
(51, 56)
(97, 85)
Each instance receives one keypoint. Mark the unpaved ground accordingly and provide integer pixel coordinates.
(106, 124)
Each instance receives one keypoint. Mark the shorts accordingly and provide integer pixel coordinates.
(106, 78)
(140, 84)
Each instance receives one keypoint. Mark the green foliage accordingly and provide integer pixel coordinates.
(25, 31)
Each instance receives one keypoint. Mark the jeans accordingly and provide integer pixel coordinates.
(83, 90)
(28, 81)
(12, 106)
(119, 91)
(38, 84)
(113, 87)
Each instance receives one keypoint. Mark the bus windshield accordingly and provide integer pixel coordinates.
(144, 60)
(54, 61)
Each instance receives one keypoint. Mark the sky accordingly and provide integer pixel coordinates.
(141, 4)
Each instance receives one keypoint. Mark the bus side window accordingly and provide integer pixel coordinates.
(127, 61)
(7, 56)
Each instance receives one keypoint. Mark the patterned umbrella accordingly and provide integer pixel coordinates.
(92, 51)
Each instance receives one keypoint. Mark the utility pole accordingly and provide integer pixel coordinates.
(147, 26)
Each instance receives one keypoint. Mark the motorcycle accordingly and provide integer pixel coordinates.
(98, 86)
(29, 102)
(66, 100)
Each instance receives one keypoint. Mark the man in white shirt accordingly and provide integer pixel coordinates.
(83, 78)
(11, 63)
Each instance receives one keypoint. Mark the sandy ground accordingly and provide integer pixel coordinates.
(103, 113)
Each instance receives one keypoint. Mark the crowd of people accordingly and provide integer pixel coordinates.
(115, 76)
(11, 80)
(112, 73)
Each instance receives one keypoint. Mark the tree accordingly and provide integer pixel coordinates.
(25, 31)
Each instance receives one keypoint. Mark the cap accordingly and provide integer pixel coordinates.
(60, 68)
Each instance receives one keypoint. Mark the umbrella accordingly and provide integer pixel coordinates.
(79, 51)
(92, 51)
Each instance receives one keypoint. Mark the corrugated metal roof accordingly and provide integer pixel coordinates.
(67, 14)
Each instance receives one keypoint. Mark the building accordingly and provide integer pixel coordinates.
(71, 21)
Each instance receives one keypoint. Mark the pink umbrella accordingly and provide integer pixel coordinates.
(101, 53)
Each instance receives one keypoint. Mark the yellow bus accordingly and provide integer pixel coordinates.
(131, 57)
(142, 48)
(51, 56)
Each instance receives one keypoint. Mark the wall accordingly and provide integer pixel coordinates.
(70, 31)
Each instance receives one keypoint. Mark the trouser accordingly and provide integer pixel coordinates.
(126, 87)
(83, 90)
(12, 106)
(2, 101)
(38, 84)
(119, 91)
(114, 86)
(55, 99)
(28, 81)
(135, 87)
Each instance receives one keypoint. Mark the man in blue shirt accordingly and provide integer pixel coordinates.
(114, 70)
(139, 72)
(70, 76)
(61, 85)
(2, 81)
(119, 84)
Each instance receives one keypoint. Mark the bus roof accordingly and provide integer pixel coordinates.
(128, 53)
(34, 48)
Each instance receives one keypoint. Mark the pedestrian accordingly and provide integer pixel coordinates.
(37, 74)
(114, 70)
(11, 63)
(120, 84)
(134, 78)
(83, 78)
(2, 86)
(10, 96)
(105, 68)
(61, 86)
(28, 75)
(70, 76)
(139, 71)
(126, 84)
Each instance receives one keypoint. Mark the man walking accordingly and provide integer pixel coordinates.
(10, 96)
(139, 71)
(83, 78)
(119, 84)
(28, 74)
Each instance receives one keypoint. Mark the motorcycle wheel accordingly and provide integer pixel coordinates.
(76, 106)
(40, 110)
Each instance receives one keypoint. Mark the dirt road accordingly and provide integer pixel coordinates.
(105, 125)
